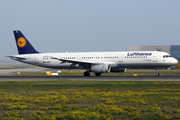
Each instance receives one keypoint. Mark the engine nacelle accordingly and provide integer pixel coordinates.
(118, 69)
(104, 68)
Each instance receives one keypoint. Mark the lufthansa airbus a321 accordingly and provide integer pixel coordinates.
(97, 62)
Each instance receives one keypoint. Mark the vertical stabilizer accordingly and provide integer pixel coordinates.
(23, 45)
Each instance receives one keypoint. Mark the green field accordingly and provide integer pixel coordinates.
(104, 100)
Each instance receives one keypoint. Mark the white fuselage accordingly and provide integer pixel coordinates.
(129, 59)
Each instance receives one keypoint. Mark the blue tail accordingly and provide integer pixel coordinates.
(23, 45)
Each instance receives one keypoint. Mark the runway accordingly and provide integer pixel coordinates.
(100, 78)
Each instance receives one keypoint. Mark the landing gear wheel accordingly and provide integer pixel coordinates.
(86, 73)
(157, 72)
(98, 74)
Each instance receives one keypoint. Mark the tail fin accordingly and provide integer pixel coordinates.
(23, 45)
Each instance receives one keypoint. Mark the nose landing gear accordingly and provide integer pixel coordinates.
(157, 72)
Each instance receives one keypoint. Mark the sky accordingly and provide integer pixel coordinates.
(88, 25)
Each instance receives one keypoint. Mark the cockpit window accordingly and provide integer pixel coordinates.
(166, 56)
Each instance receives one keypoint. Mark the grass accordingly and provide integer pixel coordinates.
(62, 99)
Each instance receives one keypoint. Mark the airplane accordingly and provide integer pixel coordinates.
(97, 62)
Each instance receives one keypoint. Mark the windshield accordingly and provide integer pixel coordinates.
(166, 56)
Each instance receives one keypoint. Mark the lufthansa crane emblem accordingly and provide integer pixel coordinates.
(21, 42)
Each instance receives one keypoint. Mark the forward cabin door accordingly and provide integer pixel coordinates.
(120, 58)
(155, 57)
(79, 57)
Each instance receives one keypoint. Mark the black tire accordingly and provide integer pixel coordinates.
(86, 73)
(98, 74)
(157, 74)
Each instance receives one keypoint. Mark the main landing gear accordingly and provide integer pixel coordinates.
(157, 72)
(86, 73)
(98, 74)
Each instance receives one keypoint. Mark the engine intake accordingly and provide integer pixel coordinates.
(104, 68)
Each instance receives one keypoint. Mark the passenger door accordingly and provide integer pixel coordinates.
(120, 58)
(155, 57)
(36, 60)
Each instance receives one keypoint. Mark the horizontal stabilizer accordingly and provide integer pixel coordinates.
(17, 57)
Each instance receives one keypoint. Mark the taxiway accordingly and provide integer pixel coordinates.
(101, 78)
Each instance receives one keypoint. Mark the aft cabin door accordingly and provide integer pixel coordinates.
(36, 60)
(155, 57)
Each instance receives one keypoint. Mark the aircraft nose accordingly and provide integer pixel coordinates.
(175, 61)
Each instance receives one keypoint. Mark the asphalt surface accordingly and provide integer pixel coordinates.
(100, 78)
(6, 75)
(5, 72)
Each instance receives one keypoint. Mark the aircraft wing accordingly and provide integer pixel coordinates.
(80, 62)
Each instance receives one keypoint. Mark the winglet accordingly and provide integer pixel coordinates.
(23, 45)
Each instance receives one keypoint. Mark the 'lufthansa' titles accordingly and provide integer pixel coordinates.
(139, 54)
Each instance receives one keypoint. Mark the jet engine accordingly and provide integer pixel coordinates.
(103, 68)
(118, 70)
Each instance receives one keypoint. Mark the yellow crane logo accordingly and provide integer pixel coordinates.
(21, 42)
